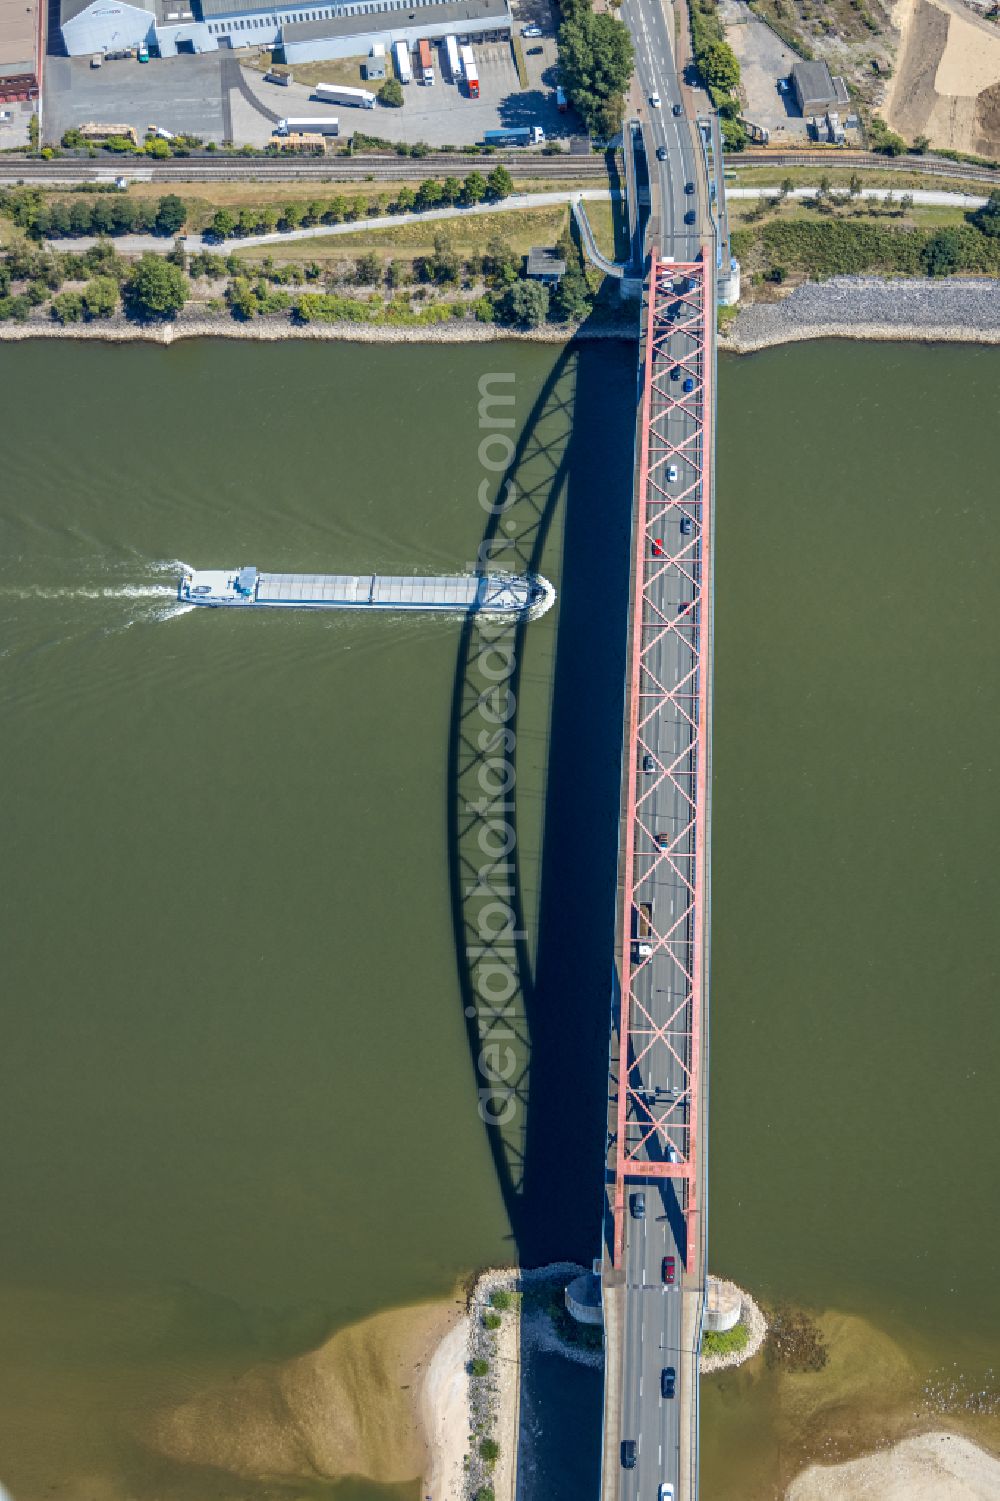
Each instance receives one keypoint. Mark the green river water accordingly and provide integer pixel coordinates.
(237, 1102)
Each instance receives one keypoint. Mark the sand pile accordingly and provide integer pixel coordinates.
(946, 83)
(931, 1467)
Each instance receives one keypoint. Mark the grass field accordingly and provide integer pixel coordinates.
(840, 177)
(521, 228)
(920, 216)
(345, 70)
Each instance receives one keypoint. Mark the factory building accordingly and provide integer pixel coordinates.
(306, 30)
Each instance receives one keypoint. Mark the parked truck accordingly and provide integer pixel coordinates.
(336, 93)
(426, 61)
(454, 62)
(324, 125)
(401, 54)
(562, 103)
(515, 135)
(471, 73)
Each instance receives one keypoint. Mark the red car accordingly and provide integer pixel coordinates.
(669, 1265)
(657, 548)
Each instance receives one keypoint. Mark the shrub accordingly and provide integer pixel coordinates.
(492, 1321)
(489, 1450)
(501, 1300)
(391, 94)
(480, 1367)
(728, 1342)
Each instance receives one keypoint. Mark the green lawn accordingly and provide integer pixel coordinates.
(522, 228)
(840, 177)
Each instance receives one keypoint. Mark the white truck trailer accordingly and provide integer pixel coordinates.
(401, 56)
(324, 125)
(335, 93)
(471, 72)
(454, 63)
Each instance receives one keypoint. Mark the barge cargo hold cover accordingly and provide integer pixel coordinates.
(468, 594)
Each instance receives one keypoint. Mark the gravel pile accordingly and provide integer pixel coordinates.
(868, 307)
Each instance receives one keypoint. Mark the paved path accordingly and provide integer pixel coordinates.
(137, 244)
(919, 195)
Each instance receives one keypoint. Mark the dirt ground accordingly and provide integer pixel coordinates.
(946, 85)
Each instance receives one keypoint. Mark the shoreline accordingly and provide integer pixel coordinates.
(955, 310)
(119, 330)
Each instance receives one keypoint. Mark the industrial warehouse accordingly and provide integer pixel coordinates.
(303, 31)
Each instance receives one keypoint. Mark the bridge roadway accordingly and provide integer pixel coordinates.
(652, 1325)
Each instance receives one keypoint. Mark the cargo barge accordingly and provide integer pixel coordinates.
(527, 595)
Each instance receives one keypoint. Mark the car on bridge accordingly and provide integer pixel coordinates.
(668, 1381)
(689, 384)
(689, 188)
(690, 216)
(628, 1456)
(661, 153)
(676, 111)
(666, 1492)
(639, 1204)
(669, 1269)
(654, 101)
(672, 468)
(687, 526)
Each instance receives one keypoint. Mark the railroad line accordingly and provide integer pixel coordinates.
(269, 169)
(863, 161)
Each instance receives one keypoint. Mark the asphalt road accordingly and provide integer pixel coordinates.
(652, 1309)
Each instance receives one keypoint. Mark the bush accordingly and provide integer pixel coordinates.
(726, 1343)
(489, 1450)
(480, 1367)
(501, 1300)
(492, 1321)
(484, 1493)
(100, 297)
(391, 94)
(67, 307)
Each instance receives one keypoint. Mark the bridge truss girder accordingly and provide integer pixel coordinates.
(657, 1135)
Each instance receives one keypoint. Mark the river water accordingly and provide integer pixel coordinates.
(236, 1093)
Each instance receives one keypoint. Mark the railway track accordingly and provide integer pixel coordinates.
(864, 161)
(69, 170)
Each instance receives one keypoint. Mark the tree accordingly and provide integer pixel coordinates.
(474, 188)
(158, 148)
(527, 303)
(67, 307)
(500, 184)
(444, 265)
(451, 190)
(906, 202)
(241, 299)
(734, 133)
(429, 193)
(391, 94)
(222, 225)
(787, 186)
(81, 217)
(500, 263)
(595, 64)
(405, 199)
(368, 270)
(154, 290)
(719, 67)
(490, 1450)
(100, 297)
(943, 252)
(571, 298)
(170, 215)
(921, 144)
(987, 218)
(854, 187)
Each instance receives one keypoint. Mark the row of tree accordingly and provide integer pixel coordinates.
(432, 193)
(100, 214)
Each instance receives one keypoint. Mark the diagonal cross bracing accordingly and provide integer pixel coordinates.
(664, 938)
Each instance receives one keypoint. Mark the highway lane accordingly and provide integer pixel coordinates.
(653, 1310)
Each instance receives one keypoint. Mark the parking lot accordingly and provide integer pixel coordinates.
(184, 94)
(763, 59)
(14, 132)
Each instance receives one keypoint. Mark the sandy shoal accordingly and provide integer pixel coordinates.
(929, 1467)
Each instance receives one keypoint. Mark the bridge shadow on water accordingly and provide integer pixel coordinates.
(537, 1006)
(534, 937)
